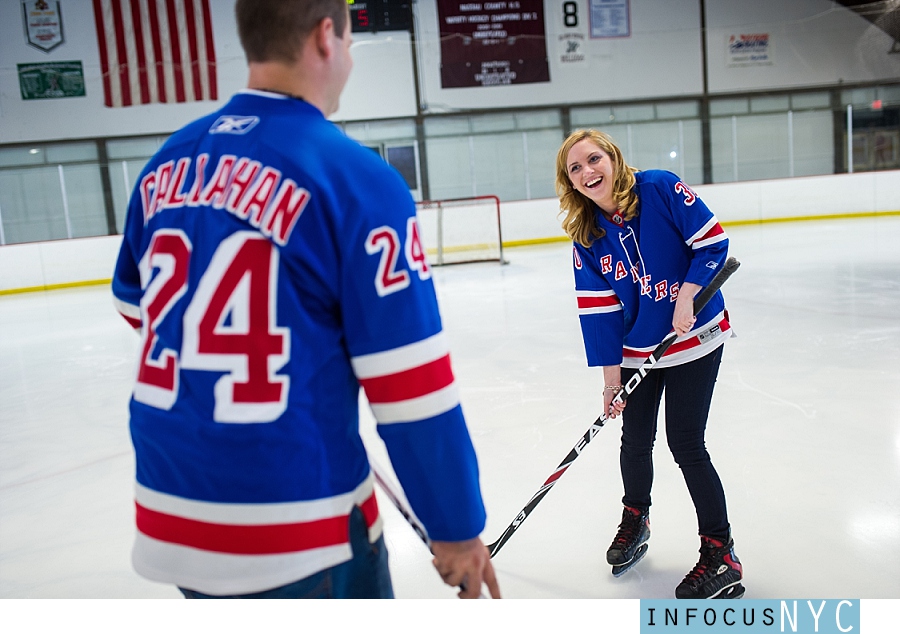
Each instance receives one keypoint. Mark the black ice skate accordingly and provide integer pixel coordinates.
(629, 546)
(717, 575)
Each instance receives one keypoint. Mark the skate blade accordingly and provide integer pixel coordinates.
(621, 569)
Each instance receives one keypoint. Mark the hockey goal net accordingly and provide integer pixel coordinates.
(460, 230)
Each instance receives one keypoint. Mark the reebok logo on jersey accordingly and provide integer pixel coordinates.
(230, 124)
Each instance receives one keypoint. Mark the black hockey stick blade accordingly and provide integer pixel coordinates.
(702, 299)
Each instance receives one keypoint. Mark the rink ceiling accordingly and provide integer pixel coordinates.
(804, 430)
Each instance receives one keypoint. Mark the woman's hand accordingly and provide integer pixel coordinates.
(611, 407)
(683, 319)
(612, 378)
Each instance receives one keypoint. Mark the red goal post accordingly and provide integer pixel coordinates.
(461, 230)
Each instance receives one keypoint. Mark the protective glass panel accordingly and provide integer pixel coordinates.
(499, 165)
(84, 197)
(449, 167)
(32, 205)
(542, 148)
(813, 143)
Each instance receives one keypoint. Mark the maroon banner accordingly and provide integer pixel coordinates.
(492, 43)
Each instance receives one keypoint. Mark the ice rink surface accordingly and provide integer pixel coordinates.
(804, 430)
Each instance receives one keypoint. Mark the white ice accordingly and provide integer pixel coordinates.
(804, 430)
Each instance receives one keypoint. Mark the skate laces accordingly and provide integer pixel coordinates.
(629, 528)
(707, 561)
(699, 571)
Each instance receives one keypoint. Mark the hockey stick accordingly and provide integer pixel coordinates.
(731, 265)
(399, 504)
(395, 497)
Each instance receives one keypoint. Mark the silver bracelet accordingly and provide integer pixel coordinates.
(614, 388)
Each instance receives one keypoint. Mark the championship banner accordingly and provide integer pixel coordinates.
(492, 43)
(155, 51)
(43, 24)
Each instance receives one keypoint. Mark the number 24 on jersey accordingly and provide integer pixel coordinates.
(390, 278)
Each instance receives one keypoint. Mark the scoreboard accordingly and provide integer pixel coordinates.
(372, 16)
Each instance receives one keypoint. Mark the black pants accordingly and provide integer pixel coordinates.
(689, 390)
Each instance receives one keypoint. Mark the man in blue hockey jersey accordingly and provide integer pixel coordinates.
(273, 266)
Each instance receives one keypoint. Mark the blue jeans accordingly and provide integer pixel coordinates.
(689, 390)
(366, 576)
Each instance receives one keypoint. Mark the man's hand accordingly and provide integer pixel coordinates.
(466, 564)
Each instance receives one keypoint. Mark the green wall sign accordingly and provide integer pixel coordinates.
(51, 80)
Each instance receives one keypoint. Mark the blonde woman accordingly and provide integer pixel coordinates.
(644, 245)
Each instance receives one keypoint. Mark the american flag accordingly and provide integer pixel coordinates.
(155, 51)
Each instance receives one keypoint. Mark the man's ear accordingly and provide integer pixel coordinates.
(323, 36)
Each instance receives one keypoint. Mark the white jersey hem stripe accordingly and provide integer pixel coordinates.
(253, 514)
(685, 356)
(221, 573)
(685, 337)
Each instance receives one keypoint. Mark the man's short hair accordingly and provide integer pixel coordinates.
(274, 30)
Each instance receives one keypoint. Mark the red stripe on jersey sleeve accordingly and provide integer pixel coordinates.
(597, 302)
(715, 230)
(408, 384)
(134, 323)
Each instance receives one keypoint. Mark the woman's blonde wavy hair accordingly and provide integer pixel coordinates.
(579, 223)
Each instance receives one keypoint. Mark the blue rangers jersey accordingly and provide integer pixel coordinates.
(273, 267)
(627, 282)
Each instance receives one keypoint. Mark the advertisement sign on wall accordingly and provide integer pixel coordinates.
(754, 49)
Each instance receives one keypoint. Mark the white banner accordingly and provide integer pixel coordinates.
(753, 49)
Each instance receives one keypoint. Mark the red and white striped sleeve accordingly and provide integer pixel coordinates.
(593, 302)
(707, 235)
(599, 310)
(130, 312)
(409, 383)
(126, 281)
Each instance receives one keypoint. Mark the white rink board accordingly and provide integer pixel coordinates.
(91, 259)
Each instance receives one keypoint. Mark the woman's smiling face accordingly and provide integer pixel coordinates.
(591, 171)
